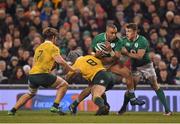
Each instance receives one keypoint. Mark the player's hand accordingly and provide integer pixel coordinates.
(108, 46)
(77, 71)
(124, 51)
(99, 54)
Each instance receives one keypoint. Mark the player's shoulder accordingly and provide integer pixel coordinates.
(101, 35)
(141, 37)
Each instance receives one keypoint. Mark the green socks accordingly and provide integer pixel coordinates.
(162, 98)
(76, 102)
(131, 96)
(99, 101)
(105, 99)
(126, 100)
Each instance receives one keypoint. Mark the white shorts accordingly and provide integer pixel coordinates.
(147, 71)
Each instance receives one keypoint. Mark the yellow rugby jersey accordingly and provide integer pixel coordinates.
(89, 66)
(43, 58)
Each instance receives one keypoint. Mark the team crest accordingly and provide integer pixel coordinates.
(136, 45)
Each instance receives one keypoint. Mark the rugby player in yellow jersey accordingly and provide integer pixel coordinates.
(45, 57)
(99, 79)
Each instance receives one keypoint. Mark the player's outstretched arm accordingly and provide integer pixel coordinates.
(62, 62)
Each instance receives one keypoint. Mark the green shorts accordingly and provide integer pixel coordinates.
(44, 80)
(104, 78)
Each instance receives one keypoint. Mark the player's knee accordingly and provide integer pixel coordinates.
(66, 84)
(31, 94)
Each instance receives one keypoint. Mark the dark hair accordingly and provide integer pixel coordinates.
(173, 57)
(15, 70)
(49, 33)
(132, 26)
(110, 25)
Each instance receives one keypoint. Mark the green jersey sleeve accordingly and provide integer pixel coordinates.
(94, 42)
(119, 45)
(143, 43)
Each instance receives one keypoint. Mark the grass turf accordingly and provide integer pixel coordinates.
(44, 116)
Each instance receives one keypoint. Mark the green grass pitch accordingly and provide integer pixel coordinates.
(44, 116)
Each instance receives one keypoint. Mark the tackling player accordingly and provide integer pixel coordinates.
(99, 79)
(40, 75)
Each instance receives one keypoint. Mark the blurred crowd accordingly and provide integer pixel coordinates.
(78, 21)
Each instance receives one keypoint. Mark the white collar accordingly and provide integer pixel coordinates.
(48, 41)
(137, 36)
(105, 36)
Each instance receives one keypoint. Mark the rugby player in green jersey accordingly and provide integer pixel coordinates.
(137, 48)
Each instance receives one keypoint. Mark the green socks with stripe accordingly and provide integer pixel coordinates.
(162, 98)
(99, 101)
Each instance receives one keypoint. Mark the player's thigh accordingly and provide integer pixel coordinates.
(59, 82)
(120, 70)
(154, 83)
(44, 79)
(32, 85)
(137, 76)
(102, 78)
(32, 89)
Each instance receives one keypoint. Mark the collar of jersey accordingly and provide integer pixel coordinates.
(47, 41)
(136, 37)
(105, 36)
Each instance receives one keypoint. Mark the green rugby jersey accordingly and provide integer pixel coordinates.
(116, 44)
(140, 43)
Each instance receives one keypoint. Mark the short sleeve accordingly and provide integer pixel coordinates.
(143, 43)
(94, 42)
(55, 51)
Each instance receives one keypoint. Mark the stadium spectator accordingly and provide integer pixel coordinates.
(175, 45)
(46, 11)
(162, 74)
(172, 69)
(18, 76)
(177, 78)
(3, 72)
(13, 63)
(156, 60)
(87, 45)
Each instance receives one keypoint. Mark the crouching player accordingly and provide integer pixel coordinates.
(100, 80)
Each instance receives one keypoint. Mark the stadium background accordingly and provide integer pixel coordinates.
(78, 21)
